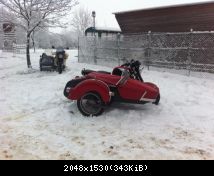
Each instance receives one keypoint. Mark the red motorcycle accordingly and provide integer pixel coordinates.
(95, 90)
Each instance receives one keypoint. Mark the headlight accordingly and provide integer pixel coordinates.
(60, 56)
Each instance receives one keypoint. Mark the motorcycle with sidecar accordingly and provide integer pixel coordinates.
(95, 90)
(54, 62)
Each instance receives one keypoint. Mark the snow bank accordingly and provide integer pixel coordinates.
(38, 122)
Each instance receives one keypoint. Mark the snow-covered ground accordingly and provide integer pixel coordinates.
(38, 122)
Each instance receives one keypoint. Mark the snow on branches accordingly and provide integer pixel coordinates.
(33, 14)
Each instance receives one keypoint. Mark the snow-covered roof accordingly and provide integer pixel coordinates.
(163, 7)
(108, 29)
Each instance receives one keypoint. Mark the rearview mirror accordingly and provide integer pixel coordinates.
(141, 69)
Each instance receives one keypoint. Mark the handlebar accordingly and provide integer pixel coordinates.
(132, 63)
(134, 68)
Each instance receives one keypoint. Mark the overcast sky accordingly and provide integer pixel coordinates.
(105, 8)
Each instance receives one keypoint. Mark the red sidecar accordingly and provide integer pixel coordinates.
(97, 89)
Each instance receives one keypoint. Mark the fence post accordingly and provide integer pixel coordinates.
(95, 47)
(189, 52)
(78, 55)
(149, 49)
(118, 48)
(14, 50)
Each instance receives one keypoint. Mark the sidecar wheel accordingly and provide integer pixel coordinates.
(157, 100)
(90, 104)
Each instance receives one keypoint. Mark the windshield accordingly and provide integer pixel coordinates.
(124, 77)
(60, 49)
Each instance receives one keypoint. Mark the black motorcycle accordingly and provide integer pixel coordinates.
(53, 63)
(133, 68)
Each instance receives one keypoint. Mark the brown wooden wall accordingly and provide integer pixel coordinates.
(199, 17)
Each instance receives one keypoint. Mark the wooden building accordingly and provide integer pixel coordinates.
(179, 18)
(7, 35)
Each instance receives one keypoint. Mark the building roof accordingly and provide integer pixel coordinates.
(165, 7)
(177, 18)
(103, 29)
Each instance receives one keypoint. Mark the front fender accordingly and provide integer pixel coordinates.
(91, 85)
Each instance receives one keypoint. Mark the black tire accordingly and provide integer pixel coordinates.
(60, 69)
(90, 105)
(157, 100)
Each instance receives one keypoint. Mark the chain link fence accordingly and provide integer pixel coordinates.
(178, 52)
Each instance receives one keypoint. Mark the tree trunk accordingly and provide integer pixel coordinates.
(34, 47)
(28, 51)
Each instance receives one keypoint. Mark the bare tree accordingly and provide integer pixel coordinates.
(81, 20)
(32, 14)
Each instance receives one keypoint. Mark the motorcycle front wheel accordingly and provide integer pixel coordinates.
(60, 68)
